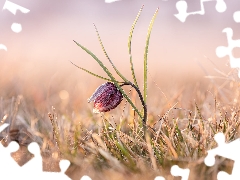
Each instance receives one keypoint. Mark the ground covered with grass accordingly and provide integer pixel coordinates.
(112, 145)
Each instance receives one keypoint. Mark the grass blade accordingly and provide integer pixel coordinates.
(130, 43)
(114, 67)
(146, 54)
(111, 77)
(91, 72)
(125, 152)
(99, 62)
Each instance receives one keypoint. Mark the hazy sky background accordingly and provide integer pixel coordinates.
(44, 47)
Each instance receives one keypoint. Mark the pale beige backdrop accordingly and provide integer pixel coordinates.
(38, 57)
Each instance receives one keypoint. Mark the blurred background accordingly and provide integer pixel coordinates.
(36, 64)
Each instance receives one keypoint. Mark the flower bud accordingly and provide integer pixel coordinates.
(106, 97)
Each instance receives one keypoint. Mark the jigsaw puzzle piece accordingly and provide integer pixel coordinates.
(225, 176)
(235, 173)
(7, 163)
(236, 16)
(2, 46)
(209, 160)
(182, 7)
(222, 51)
(159, 178)
(182, 11)
(16, 27)
(12, 7)
(177, 171)
(221, 6)
(34, 164)
(36, 168)
(64, 164)
(227, 150)
(33, 168)
(4, 151)
(85, 178)
(2, 127)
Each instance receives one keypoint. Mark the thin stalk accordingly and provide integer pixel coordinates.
(114, 67)
(130, 45)
(145, 68)
(144, 119)
(89, 72)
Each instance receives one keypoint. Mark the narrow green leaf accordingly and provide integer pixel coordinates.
(98, 61)
(130, 45)
(125, 152)
(179, 134)
(91, 72)
(114, 67)
(111, 77)
(146, 54)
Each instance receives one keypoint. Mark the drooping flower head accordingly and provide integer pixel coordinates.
(106, 97)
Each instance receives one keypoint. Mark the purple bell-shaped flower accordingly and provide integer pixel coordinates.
(106, 97)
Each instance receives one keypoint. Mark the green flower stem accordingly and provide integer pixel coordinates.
(144, 118)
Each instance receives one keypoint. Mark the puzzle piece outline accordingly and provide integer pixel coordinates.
(13, 8)
(227, 150)
(222, 51)
(177, 171)
(182, 7)
(34, 165)
(236, 16)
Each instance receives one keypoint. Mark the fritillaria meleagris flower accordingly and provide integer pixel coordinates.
(106, 97)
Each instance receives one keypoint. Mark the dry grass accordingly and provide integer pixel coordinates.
(111, 145)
